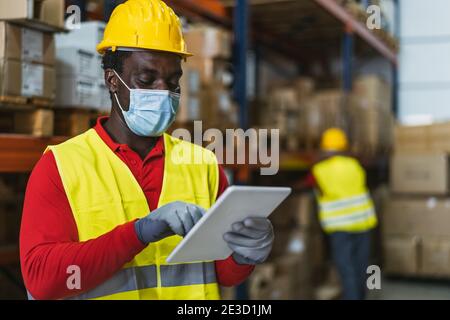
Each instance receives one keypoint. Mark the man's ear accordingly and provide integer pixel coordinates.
(111, 81)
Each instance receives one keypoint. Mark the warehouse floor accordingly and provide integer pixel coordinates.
(408, 289)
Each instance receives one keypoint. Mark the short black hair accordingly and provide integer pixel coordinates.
(114, 60)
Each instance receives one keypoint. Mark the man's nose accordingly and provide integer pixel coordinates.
(161, 85)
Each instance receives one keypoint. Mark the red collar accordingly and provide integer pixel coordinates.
(158, 150)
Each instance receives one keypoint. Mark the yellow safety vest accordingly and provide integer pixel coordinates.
(344, 201)
(104, 194)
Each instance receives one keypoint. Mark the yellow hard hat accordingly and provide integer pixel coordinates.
(334, 139)
(144, 24)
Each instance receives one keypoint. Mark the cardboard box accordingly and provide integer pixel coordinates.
(71, 123)
(435, 260)
(296, 274)
(219, 109)
(77, 91)
(50, 12)
(209, 71)
(190, 108)
(416, 216)
(401, 255)
(429, 138)
(286, 278)
(280, 288)
(21, 43)
(283, 99)
(87, 37)
(411, 139)
(372, 90)
(19, 78)
(439, 137)
(37, 123)
(322, 111)
(330, 286)
(371, 128)
(425, 174)
(190, 82)
(260, 281)
(83, 40)
(305, 87)
(72, 61)
(208, 42)
(213, 105)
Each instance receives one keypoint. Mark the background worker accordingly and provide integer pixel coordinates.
(113, 202)
(346, 211)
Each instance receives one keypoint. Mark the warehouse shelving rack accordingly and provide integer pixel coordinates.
(274, 30)
(323, 22)
(19, 153)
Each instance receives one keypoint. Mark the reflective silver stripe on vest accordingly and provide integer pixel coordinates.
(351, 218)
(188, 274)
(343, 204)
(130, 279)
(138, 278)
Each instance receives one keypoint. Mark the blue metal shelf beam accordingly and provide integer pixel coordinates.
(241, 33)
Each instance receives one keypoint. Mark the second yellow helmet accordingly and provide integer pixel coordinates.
(144, 24)
(334, 139)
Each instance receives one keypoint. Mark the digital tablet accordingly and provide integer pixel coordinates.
(205, 240)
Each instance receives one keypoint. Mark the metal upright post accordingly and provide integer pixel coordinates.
(241, 34)
(395, 79)
(347, 59)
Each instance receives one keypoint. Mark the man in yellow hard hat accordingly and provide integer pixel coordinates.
(104, 210)
(346, 210)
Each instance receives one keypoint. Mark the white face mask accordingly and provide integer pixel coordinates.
(151, 112)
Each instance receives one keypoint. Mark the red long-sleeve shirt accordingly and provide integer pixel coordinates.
(49, 237)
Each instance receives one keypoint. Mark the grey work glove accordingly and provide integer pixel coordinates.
(171, 219)
(251, 240)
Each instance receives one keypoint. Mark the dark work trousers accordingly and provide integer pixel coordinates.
(351, 253)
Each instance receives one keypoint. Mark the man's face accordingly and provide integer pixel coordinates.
(146, 70)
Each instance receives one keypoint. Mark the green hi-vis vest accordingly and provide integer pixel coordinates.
(344, 201)
(104, 194)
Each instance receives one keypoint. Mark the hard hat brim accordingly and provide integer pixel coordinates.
(101, 49)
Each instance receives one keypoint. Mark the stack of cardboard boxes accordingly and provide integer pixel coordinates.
(80, 77)
(285, 106)
(298, 265)
(324, 110)
(81, 90)
(27, 64)
(27, 60)
(205, 85)
(416, 219)
(371, 120)
(302, 114)
(40, 14)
